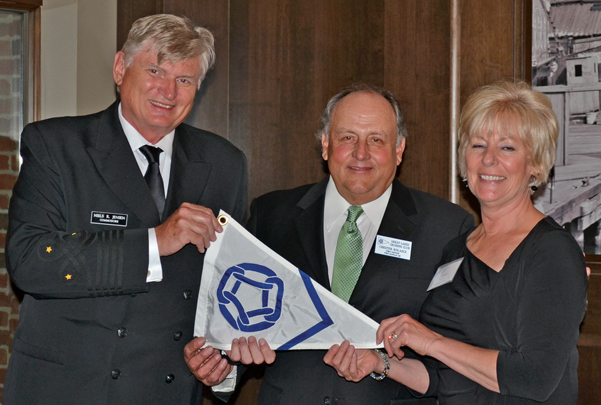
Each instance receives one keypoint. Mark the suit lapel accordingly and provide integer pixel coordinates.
(309, 229)
(189, 173)
(115, 162)
(400, 221)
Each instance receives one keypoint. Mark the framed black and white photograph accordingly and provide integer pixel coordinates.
(566, 66)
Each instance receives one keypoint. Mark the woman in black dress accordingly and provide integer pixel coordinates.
(502, 326)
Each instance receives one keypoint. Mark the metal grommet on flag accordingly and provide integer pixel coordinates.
(222, 220)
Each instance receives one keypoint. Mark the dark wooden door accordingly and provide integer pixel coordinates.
(589, 345)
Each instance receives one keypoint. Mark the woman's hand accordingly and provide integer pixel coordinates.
(251, 351)
(353, 364)
(405, 331)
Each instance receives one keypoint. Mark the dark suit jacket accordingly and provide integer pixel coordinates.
(291, 223)
(91, 329)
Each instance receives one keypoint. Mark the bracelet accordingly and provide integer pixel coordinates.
(380, 377)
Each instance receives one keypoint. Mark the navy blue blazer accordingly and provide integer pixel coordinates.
(91, 329)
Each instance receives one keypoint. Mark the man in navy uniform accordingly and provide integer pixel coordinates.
(108, 224)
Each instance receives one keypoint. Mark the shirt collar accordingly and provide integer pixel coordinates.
(136, 140)
(335, 206)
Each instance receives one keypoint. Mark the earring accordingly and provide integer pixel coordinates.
(465, 181)
(532, 180)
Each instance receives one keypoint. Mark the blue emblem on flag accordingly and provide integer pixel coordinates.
(250, 297)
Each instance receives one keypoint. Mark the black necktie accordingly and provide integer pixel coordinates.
(153, 176)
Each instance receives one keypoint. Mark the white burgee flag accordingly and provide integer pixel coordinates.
(249, 290)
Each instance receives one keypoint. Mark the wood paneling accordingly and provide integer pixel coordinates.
(589, 345)
(295, 56)
(21, 4)
(129, 11)
(417, 61)
(487, 45)
(494, 46)
(279, 61)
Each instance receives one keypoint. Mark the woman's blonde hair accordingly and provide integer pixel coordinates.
(512, 108)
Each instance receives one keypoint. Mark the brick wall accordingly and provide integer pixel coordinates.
(11, 102)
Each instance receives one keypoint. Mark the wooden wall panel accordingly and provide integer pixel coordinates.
(129, 11)
(487, 47)
(417, 70)
(589, 345)
(297, 55)
(279, 96)
(493, 48)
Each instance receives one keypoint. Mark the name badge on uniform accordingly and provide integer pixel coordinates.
(401, 249)
(108, 218)
(445, 274)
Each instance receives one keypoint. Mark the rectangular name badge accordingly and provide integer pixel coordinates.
(108, 218)
(401, 249)
(445, 274)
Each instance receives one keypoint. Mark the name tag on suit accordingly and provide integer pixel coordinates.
(108, 218)
(445, 274)
(401, 249)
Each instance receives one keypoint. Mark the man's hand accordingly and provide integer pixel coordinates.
(189, 224)
(206, 364)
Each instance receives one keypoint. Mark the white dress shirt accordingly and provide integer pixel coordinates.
(335, 212)
(136, 140)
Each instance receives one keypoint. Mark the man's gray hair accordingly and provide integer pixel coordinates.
(401, 129)
(173, 38)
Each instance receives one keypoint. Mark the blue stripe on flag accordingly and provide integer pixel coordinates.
(321, 310)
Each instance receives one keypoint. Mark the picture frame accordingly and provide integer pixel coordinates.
(566, 66)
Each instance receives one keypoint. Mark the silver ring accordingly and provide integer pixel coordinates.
(392, 336)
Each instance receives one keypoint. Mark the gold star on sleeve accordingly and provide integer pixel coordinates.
(49, 249)
(68, 276)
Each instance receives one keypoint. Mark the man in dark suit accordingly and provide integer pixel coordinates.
(107, 232)
(363, 139)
